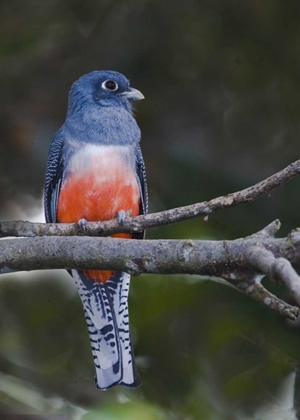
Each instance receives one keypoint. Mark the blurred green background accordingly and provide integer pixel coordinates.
(221, 81)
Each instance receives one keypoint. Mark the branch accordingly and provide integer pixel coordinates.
(139, 223)
(240, 262)
(278, 269)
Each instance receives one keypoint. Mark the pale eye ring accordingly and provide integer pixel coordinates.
(110, 85)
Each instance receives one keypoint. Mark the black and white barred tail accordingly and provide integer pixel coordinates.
(106, 312)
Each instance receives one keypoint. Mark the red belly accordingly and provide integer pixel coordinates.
(97, 199)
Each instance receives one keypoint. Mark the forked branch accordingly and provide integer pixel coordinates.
(241, 262)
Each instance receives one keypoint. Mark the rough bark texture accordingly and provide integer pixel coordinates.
(242, 262)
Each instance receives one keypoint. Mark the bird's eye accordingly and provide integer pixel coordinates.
(110, 85)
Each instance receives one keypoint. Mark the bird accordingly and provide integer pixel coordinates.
(96, 172)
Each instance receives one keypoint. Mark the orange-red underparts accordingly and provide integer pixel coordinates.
(97, 199)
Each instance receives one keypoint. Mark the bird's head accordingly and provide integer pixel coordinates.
(102, 88)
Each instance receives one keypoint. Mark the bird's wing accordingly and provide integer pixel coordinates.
(53, 178)
(142, 183)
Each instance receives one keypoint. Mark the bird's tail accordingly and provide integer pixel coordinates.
(106, 311)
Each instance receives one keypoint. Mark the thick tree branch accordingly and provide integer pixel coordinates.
(241, 262)
(139, 223)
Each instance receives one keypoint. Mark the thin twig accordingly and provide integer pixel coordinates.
(139, 223)
(257, 292)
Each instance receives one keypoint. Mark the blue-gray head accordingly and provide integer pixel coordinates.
(104, 88)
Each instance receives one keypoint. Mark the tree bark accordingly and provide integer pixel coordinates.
(242, 262)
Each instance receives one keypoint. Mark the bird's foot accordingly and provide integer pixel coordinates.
(82, 223)
(122, 216)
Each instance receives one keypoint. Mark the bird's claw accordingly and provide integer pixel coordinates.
(122, 215)
(82, 223)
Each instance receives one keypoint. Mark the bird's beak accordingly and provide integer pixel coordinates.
(133, 94)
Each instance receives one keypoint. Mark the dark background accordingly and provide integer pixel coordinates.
(221, 81)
